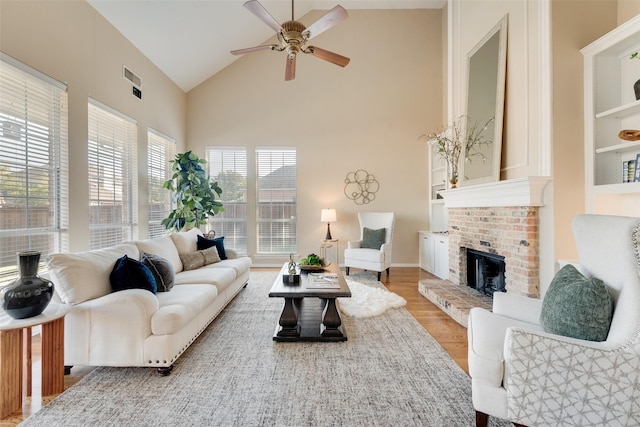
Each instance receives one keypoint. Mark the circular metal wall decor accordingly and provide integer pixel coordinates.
(361, 187)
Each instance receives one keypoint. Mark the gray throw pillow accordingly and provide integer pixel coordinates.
(197, 259)
(577, 307)
(373, 239)
(161, 269)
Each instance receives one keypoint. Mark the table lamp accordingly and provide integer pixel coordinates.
(328, 216)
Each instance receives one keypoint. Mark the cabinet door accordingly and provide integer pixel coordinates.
(441, 261)
(427, 243)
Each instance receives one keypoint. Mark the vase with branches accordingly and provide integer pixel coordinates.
(450, 141)
(194, 193)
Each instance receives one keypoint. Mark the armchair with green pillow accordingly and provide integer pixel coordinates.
(373, 250)
(572, 357)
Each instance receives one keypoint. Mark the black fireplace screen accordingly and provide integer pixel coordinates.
(485, 272)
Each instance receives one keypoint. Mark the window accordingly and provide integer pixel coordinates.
(113, 177)
(276, 197)
(33, 164)
(228, 166)
(160, 149)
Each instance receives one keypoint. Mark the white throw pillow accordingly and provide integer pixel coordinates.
(186, 241)
(81, 276)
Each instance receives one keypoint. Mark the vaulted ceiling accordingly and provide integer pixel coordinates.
(190, 40)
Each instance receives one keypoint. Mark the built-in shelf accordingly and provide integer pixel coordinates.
(624, 188)
(621, 111)
(619, 148)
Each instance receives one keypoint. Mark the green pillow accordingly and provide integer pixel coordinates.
(373, 239)
(577, 307)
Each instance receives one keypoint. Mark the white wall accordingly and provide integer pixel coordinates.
(368, 116)
(71, 42)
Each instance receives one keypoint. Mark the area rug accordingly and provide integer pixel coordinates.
(368, 298)
(389, 372)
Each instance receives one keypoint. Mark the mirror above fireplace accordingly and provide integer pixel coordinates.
(486, 76)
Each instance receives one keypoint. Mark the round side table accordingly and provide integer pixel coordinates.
(15, 355)
(329, 244)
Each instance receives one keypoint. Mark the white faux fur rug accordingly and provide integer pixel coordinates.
(368, 301)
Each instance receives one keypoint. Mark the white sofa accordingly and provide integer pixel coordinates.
(135, 327)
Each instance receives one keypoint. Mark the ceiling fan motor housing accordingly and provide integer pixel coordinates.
(291, 39)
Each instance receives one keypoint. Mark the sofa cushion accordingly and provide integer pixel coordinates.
(197, 259)
(83, 276)
(576, 306)
(185, 241)
(373, 239)
(180, 306)
(161, 269)
(163, 247)
(220, 277)
(218, 243)
(130, 273)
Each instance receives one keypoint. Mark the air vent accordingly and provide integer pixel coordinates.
(131, 76)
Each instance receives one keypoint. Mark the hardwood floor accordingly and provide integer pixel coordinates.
(403, 281)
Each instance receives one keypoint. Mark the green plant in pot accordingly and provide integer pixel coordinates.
(193, 192)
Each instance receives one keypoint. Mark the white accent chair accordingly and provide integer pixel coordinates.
(527, 376)
(371, 259)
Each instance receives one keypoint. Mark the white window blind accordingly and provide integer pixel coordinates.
(228, 166)
(33, 165)
(276, 197)
(113, 177)
(160, 149)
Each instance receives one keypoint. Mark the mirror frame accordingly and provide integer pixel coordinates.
(501, 29)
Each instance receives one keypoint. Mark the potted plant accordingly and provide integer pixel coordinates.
(194, 193)
(449, 143)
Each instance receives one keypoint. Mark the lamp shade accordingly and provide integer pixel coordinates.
(328, 215)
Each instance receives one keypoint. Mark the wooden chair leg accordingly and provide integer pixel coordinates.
(379, 275)
(482, 419)
(347, 269)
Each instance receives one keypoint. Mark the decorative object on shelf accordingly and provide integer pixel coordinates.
(193, 192)
(30, 294)
(636, 86)
(361, 187)
(449, 144)
(629, 135)
(328, 216)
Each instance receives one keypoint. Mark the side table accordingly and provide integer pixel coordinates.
(15, 355)
(329, 244)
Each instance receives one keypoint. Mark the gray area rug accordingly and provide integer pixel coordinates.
(389, 372)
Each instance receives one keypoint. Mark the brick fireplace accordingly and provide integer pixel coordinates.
(500, 218)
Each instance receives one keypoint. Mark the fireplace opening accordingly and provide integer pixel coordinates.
(485, 272)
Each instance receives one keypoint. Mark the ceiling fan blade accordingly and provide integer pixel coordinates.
(253, 49)
(257, 9)
(328, 56)
(328, 20)
(290, 71)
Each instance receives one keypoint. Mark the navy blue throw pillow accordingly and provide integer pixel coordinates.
(218, 242)
(129, 273)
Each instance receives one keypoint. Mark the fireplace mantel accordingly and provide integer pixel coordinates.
(527, 191)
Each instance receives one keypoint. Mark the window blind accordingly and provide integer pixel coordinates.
(276, 200)
(33, 165)
(228, 166)
(160, 149)
(113, 177)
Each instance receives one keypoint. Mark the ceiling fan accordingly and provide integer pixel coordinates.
(293, 36)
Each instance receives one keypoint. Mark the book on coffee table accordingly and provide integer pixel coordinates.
(323, 281)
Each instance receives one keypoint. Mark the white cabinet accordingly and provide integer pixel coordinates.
(611, 106)
(434, 253)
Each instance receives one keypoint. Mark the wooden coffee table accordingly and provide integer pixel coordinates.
(310, 314)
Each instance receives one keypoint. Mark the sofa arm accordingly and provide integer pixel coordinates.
(231, 253)
(517, 307)
(549, 378)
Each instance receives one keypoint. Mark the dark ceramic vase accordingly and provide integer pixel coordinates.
(636, 88)
(30, 294)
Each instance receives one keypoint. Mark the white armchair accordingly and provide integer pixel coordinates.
(370, 258)
(527, 376)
